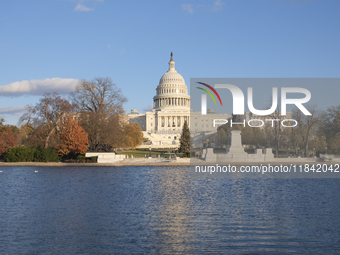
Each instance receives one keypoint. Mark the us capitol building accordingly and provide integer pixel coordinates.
(171, 108)
(162, 126)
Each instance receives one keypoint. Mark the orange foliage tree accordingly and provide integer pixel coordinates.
(73, 138)
(7, 139)
(133, 135)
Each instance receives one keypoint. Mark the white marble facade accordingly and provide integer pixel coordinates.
(171, 105)
(171, 108)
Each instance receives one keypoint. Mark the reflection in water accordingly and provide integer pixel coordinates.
(164, 210)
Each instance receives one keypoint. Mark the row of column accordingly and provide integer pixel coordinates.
(163, 91)
(172, 121)
(171, 102)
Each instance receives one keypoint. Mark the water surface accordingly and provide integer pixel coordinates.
(163, 210)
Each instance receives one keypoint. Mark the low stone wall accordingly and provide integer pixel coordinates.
(105, 157)
(330, 157)
(268, 157)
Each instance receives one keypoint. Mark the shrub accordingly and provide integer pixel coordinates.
(80, 157)
(93, 159)
(51, 155)
(30, 154)
(19, 154)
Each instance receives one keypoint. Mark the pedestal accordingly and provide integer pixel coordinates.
(235, 148)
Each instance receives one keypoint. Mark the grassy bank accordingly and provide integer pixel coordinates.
(142, 153)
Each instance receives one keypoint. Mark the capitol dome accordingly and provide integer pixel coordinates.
(171, 91)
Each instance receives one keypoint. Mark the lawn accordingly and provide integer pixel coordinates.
(142, 153)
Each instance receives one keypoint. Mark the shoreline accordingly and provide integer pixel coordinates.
(125, 162)
(152, 162)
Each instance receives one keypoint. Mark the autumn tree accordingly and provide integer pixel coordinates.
(133, 135)
(45, 117)
(185, 139)
(1, 123)
(9, 136)
(73, 138)
(222, 137)
(101, 107)
(8, 139)
(309, 126)
(223, 134)
(295, 133)
(330, 127)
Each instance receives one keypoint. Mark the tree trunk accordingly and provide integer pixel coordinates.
(51, 132)
(48, 137)
(277, 148)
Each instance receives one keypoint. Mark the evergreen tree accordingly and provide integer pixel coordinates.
(185, 140)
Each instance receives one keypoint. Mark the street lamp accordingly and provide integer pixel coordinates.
(149, 151)
(288, 151)
(313, 151)
(326, 149)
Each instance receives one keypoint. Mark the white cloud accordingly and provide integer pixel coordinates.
(188, 8)
(12, 110)
(11, 114)
(82, 8)
(109, 46)
(148, 108)
(38, 87)
(217, 6)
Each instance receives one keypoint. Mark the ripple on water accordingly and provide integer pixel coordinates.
(163, 210)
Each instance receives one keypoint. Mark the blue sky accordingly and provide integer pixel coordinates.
(47, 45)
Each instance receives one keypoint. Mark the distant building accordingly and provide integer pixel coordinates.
(171, 108)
